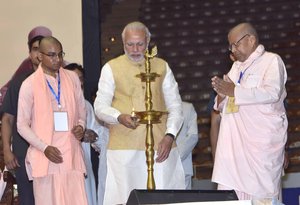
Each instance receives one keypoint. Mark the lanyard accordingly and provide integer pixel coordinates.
(57, 97)
(240, 78)
(241, 75)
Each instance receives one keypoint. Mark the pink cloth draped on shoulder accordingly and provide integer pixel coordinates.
(41, 132)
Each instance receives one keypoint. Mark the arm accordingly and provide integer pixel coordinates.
(269, 90)
(175, 119)
(93, 124)
(102, 105)
(267, 87)
(9, 109)
(10, 160)
(98, 127)
(286, 161)
(90, 135)
(224, 87)
(214, 131)
(105, 93)
(25, 110)
(188, 135)
(79, 128)
(173, 103)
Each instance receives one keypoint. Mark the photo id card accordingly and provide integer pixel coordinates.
(61, 121)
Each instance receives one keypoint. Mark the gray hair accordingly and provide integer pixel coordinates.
(136, 25)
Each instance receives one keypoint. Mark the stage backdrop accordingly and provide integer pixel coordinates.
(17, 18)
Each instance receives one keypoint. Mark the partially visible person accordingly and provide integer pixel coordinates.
(186, 140)
(2, 182)
(96, 136)
(119, 92)
(253, 130)
(14, 157)
(51, 117)
(26, 65)
(215, 119)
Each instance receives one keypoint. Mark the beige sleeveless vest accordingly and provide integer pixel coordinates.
(130, 94)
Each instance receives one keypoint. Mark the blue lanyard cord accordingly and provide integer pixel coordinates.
(241, 76)
(242, 73)
(57, 97)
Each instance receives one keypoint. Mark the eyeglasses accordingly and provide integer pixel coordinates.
(53, 55)
(238, 43)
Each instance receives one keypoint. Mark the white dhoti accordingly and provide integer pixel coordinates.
(90, 184)
(127, 170)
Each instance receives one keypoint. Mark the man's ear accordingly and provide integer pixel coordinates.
(252, 39)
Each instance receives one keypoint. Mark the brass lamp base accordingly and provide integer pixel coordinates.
(147, 76)
(149, 117)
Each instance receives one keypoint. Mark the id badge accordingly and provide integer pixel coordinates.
(61, 121)
(231, 107)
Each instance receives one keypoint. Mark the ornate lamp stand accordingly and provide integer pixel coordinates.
(150, 116)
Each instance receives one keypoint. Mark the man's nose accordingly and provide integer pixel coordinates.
(136, 47)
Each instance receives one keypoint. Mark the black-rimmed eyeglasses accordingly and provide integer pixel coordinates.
(237, 43)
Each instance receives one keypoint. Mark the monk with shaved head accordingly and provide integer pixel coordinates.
(51, 118)
(253, 132)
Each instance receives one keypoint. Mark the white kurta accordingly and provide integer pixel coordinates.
(90, 186)
(250, 149)
(102, 168)
(187, 139)
(127, 169)
(89, 182)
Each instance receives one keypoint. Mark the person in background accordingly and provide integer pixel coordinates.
(26, 65)
(96, 135)
(186, 140)
(215, 119)
(119, 92)
(51, 117)
(14, 157)
(253, 130)
(2, 183)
